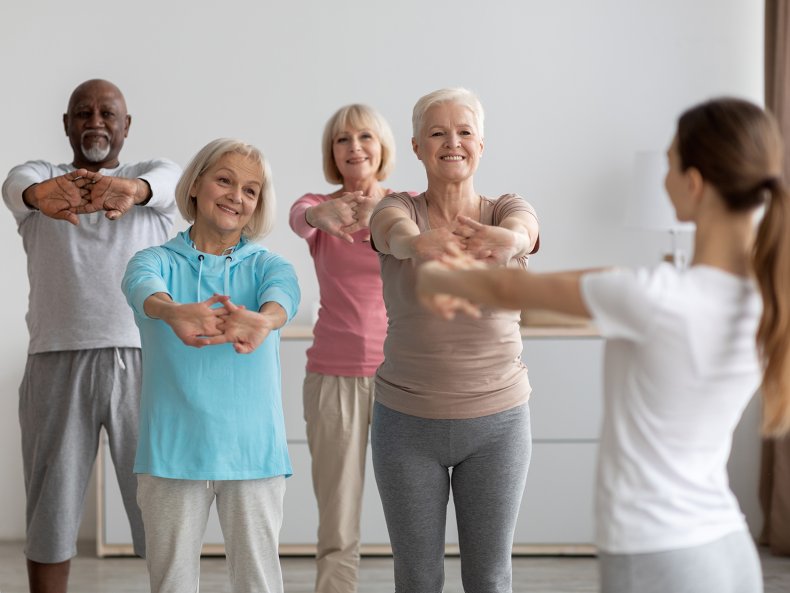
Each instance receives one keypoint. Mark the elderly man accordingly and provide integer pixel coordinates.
(80, 223)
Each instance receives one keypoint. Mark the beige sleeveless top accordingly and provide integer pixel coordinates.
(433, 368)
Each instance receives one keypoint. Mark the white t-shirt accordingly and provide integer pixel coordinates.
(681, 365)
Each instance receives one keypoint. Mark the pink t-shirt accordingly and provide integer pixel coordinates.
(352, 321)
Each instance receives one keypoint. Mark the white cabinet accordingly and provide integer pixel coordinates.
(565, 408)
(556, 514)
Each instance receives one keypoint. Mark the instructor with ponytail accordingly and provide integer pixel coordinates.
(682, 361)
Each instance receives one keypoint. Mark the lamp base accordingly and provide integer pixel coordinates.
(676, 258)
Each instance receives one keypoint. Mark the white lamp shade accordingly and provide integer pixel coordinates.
(648, 206)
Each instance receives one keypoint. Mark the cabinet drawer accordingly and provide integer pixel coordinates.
(567, 387)
(558, 502)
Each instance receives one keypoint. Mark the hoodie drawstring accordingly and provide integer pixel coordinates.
(200, 275)
(228, 259)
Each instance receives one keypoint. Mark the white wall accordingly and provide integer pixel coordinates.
(571, 90)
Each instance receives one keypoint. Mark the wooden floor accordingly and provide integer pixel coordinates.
(530, 574)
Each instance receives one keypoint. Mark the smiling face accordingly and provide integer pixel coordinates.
(449, 144)
(227, 194)
(97, 124)
(357, 154)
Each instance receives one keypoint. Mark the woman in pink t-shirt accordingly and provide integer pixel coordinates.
(358, 153)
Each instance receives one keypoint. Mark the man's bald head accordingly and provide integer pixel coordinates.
(97, 124)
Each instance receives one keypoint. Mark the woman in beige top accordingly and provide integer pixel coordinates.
(451, 396)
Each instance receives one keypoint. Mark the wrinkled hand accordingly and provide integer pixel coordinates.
(61, 197)
(199, 324)
(445, 305)
(492, 244)
(115, 195)
(362, 211)
(435, 243)
(337, 217)
(243, 328)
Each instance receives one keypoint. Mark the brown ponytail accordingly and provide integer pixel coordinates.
(737, 147)
(772, 268)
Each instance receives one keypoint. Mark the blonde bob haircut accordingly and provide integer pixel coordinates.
(357, 117)
(262, 219)
(457, 95)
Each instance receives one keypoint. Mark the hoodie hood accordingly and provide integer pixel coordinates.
(209, 265)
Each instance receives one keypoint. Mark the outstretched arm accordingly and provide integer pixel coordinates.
(507, 288)
(396, 234)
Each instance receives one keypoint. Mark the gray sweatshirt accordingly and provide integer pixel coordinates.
(75, 272)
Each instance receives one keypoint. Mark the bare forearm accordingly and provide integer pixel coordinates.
(274, 315)
(524, 234)
(491, 287)
(159, 305)
(399, 239)
(510, 288)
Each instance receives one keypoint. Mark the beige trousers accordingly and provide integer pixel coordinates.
(338, 411)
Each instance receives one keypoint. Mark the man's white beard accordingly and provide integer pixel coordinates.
(96, 153)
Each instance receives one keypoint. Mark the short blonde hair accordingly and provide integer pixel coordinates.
(458, 95)
(263, 218)
(358, 117)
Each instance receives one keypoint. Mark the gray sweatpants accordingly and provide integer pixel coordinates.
(484, 460)
(727, 565)
(175, 513)
(64, 400)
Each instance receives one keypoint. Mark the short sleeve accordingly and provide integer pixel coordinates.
(622, 302)
(509, 204)
(402, 201)
(144, 277)
(279, 284)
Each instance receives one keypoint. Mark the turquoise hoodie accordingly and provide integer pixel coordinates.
(210, 413)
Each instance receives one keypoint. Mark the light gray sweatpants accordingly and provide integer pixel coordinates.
(727, 565)
(175, 513)
(484, 460)
(64, 400)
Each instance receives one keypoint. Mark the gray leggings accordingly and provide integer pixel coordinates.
(727, 565)
(484, 460)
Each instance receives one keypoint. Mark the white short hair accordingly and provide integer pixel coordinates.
(458, 95)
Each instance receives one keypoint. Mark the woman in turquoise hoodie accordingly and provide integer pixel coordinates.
(209, 304)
